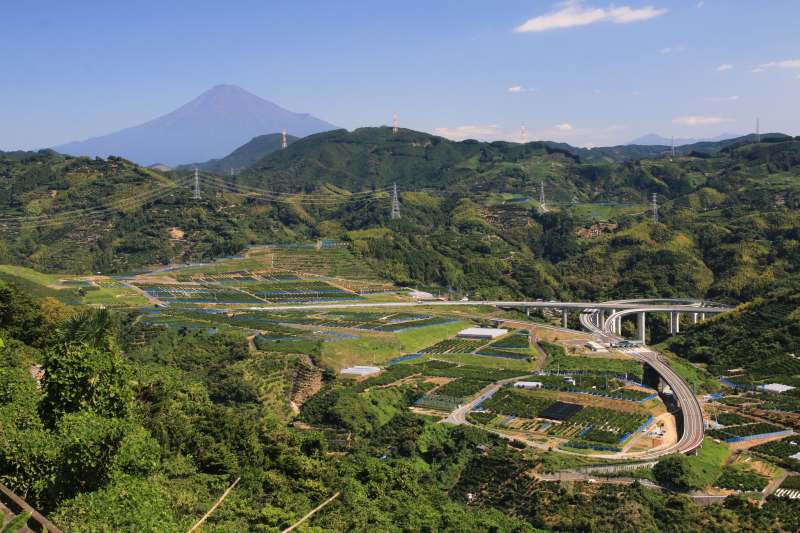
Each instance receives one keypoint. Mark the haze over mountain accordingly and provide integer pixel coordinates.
(652, 139)
(210, 126)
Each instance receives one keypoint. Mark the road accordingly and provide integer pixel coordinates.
(459, 415)
(500, 303)
(692, 412)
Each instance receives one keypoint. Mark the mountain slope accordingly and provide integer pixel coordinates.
(653, 138)
(210, 126)
(246, 155)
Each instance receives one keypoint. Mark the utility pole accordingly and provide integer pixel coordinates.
(196, 195)
(394, 125)
(655, 207)
(395, 204)
(284, 144)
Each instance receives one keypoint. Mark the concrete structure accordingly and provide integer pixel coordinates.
(482, 333)
(595, 346)
(359, 371)
(528, 384)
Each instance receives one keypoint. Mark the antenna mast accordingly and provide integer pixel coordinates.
(655, 207)
(394, 123)
(196, 194)
(284, 144)
(395, 204)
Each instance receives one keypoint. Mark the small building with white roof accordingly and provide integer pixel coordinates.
(482, 333)
(528, 384)
(776, 388)
(359, 371)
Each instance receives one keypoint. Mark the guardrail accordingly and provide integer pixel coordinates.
(17, 505)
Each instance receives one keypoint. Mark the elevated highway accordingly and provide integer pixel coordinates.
(610, 328)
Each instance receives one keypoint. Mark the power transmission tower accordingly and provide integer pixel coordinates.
(655, 207)
(395, 204)
(284, 144)
(394, 126)
(196, 195)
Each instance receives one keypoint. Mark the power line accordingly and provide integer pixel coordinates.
(196, 194)
(395, 204)
(655, 206)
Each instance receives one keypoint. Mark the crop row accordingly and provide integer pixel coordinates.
(453, 346)
(746, 430)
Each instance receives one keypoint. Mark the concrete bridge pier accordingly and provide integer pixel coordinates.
(528, 311)
(564, 318)
(674, 323)
(641, 330)
(694, 318)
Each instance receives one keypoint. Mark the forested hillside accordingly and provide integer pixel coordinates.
(471, 222)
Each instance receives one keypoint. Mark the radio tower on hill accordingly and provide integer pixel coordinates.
(655, 207)
(284, 144)
(394, 126)
(395, 204)
(196, 194)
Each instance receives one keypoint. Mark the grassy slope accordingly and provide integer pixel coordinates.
(369, 350)
(707, 465)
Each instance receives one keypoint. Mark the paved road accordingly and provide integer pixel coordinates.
(498, 303)
(692, 412)
(459, 415)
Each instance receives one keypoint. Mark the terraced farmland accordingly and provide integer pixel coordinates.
(454, 346)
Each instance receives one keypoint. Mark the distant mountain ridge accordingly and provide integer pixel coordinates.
(655, 139)
(210, 126)
(246, 155)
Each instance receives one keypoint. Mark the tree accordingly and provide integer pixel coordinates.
(78, 376)
(674, 470)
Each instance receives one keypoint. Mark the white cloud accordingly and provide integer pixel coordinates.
(785, 64)
(471, 131)
(573, 13)
(521, 89)
(700, 4)
(700, 120)
(564, 132)
(669, 49)
(723, 67)
(722, 98)
(757, 69)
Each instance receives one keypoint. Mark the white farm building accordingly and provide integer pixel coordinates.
(528, 384)
(482, 333)
(360, 371)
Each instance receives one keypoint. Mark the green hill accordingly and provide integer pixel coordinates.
(470, 219)
(244, 156)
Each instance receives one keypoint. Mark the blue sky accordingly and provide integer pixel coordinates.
(588, 73)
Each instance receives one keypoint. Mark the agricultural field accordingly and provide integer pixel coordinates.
(454, 346)
(558, 360)
(733, 433)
